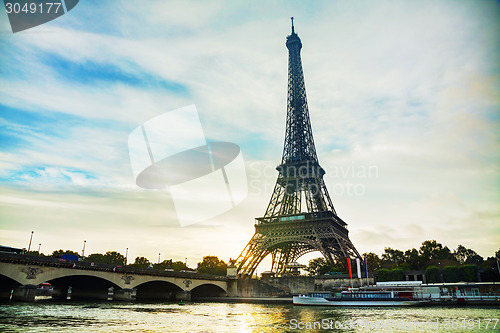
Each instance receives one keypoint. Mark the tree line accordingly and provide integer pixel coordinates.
(438, 261)
(209, 265)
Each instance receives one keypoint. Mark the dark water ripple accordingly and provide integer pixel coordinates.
(57, 316)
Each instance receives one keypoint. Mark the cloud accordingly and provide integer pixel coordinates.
(409, 89)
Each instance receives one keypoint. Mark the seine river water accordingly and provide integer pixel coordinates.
(71, 316)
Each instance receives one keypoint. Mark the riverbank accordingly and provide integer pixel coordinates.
(452, 302)
(252, 300)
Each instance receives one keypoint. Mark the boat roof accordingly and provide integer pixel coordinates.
(400, 283)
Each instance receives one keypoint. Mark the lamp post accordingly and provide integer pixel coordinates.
(158, 258)
(186, 263)
(31, 238)
(83, 250)
(39, 245)
(126, 256)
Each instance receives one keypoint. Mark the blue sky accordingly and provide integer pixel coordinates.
(410, 89)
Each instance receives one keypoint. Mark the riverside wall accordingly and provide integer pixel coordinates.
(289, 285)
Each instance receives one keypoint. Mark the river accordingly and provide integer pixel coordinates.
(71, 316)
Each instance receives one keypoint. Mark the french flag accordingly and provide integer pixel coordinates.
(349, 267)
(358, 267)
(366, 268)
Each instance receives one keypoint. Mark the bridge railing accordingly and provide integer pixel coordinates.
(85, 265)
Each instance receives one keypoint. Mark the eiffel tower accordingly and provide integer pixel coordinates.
(285, 231)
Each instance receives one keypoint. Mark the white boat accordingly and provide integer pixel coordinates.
(357, 298)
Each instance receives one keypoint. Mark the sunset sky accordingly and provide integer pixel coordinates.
(404, 100)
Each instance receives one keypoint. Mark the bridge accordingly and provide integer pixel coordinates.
(20, 276)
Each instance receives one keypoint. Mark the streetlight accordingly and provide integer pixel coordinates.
(126, 256)
(83, 250)
(29, 246)
(39, 244)
(158, 258)
(186, 264)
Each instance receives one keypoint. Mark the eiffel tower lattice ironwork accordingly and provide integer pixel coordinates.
(285, 231)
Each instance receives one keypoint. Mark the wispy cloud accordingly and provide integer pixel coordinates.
(411, 89)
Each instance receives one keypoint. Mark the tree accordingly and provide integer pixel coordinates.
(404, 266)
(445, 253)
(469, 273)
(97, 258)
(179, 266)
(141, 262)
(383, 275)
(372, 261)
(392, 256)
(412, 258)
(163, 265)
(114, 258)
(33, 253)
(340, 265)
(462, 254)
(431, 249)
(432, 274)
(390, 275)
(474, 260)
(59, 253)
(397, 274)
(212, 265)
(490, 275)
(315, 266)
(110, 258)
(452, 274)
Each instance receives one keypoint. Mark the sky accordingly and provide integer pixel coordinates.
(404, 99)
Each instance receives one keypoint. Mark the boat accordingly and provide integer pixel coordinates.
(358, 298)
(44, 289)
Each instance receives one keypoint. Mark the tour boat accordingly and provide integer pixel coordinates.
(357, 298)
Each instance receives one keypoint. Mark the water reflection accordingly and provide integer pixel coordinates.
(70, 316)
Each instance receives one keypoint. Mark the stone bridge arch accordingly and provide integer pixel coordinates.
(207, 290)
(6, 285)
(83, 286)
(34, 275)
(95, 282)
(159, 289)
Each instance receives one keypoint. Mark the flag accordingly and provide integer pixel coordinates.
(366, 268)
(349, 267)
(358, 266)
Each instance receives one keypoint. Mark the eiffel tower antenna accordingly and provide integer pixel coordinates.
(300, 217)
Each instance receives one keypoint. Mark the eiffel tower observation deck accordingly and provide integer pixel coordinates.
(300, 217)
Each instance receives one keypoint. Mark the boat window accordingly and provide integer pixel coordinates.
(319, 295)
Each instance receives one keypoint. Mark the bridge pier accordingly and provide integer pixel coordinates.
(24, 293)
(184, 295)
(62, 292)
(127, 295)
(111, 293)
(232, 287)
(103, 294)
(5, 294)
